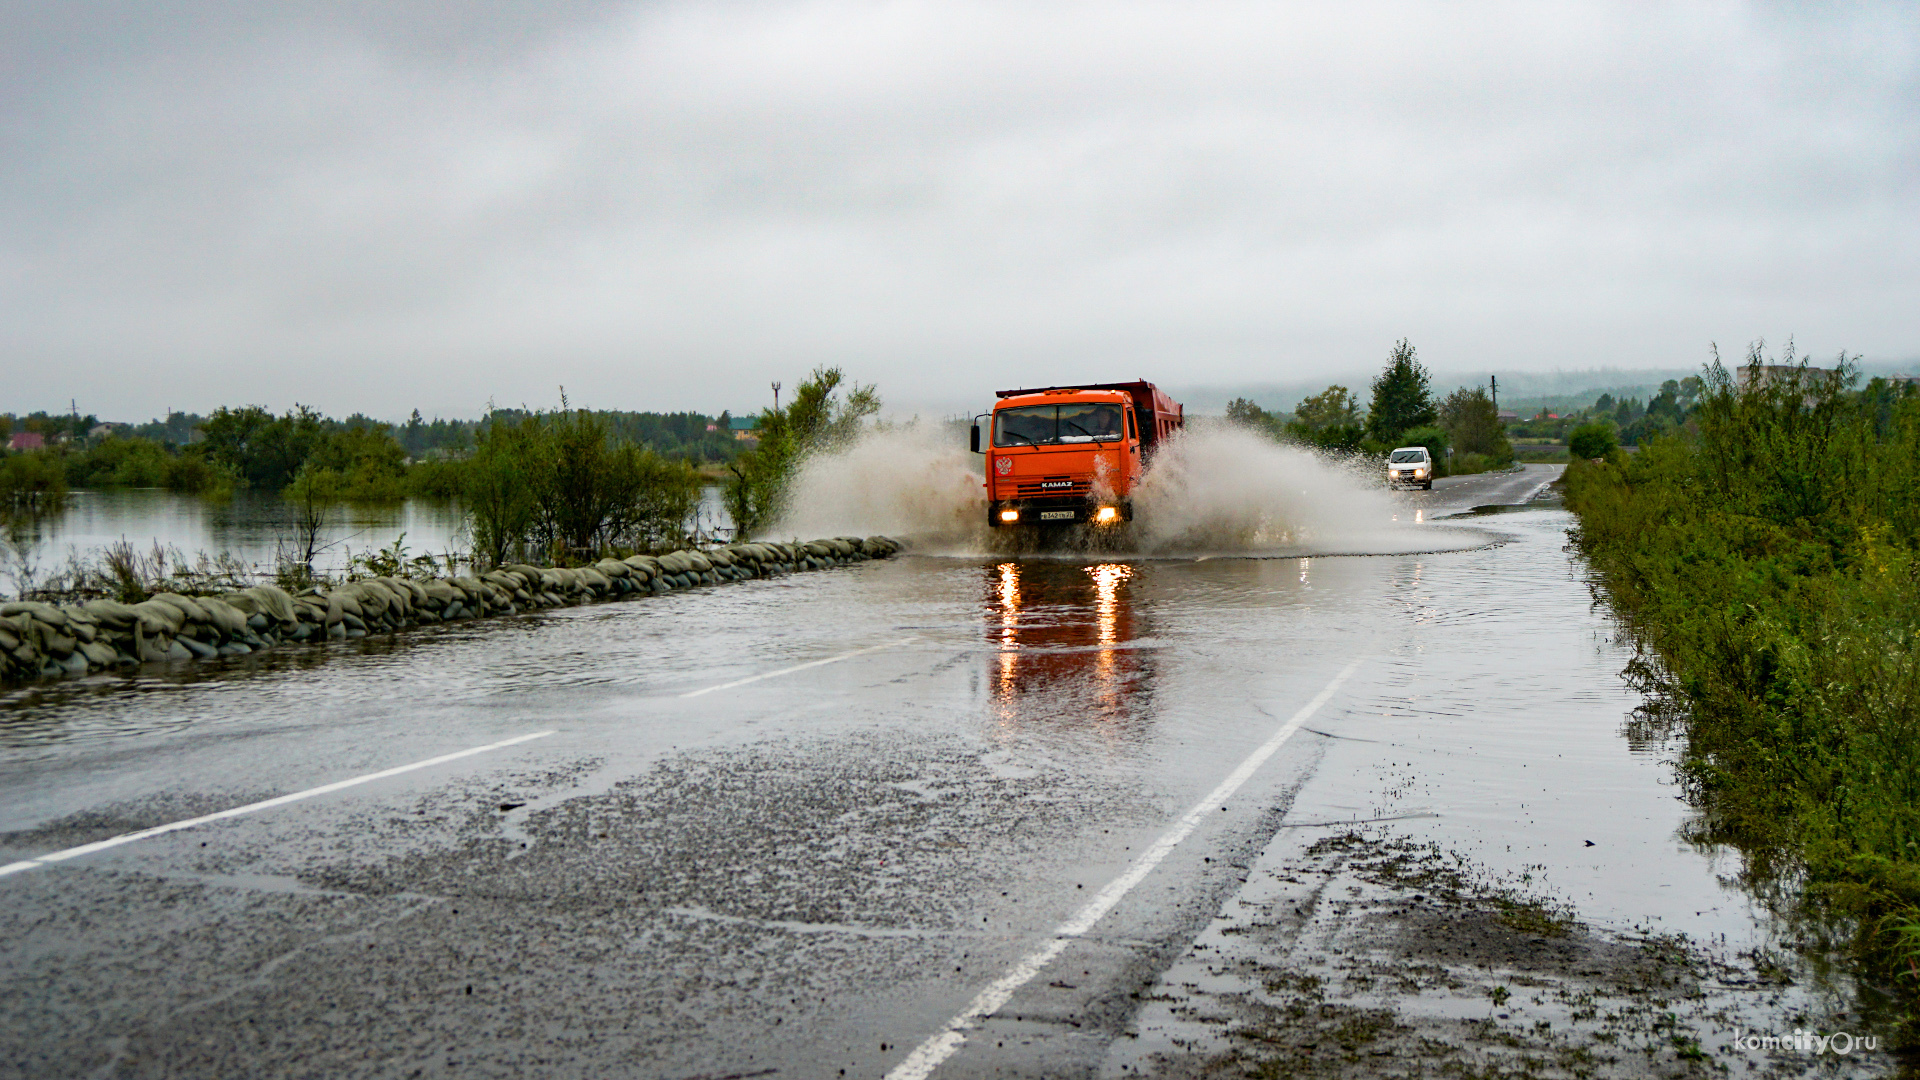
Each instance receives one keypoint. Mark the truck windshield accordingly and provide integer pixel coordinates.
(1040, 425)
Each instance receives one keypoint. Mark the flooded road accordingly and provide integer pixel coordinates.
(804, 827)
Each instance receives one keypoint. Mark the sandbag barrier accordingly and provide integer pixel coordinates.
(47, 640)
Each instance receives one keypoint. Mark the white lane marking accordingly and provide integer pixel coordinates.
(928, 1055)
(798, 667)
(265, 804)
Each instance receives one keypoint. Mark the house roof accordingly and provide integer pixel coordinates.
(742, 423)
(27, 440)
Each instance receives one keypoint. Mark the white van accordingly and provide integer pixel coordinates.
(1410, 465)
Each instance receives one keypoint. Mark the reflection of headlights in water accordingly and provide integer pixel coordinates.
(1107, 578)
(1106, 585)
(1009, 601)
(1008, 593)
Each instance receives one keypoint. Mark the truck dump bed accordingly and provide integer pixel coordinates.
(1160, 415)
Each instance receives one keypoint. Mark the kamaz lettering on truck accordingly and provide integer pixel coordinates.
(1071, 454)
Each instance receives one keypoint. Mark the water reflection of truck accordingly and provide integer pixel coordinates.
(1072, 454)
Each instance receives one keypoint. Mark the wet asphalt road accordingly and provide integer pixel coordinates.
(811, 873)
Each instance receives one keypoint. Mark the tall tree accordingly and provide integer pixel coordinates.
(1473, 424)
(1244, 413)
(1402, 396)
(1329, 420)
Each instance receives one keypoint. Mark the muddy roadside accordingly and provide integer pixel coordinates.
(1356, 953)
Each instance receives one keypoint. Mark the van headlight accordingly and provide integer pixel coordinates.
(1417, 473)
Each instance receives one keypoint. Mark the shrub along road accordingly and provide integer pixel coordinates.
(952, 817)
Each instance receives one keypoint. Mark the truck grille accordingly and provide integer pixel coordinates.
(1056, 486)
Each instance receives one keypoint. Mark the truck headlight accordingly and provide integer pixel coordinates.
(1106, 515)
(1009, 515)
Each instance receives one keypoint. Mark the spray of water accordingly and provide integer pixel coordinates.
(1213, 489)
(908, 481)
(1218, 488)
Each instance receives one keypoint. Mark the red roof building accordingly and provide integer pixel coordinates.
(27, 440)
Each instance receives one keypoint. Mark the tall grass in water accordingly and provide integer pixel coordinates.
(1769, 566)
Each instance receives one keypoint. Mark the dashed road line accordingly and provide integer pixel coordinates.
(798, 667)
(264, 804)
(937, 1048)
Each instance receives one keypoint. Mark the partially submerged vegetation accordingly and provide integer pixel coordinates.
(1766, 556)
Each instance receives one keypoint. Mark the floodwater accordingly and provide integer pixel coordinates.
(800, 824)
(253, 527)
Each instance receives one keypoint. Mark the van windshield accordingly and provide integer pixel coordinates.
(1408, 455)
(1042, 425)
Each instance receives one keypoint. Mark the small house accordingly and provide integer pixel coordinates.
(27, 440)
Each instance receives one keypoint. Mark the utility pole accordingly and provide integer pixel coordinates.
(1495, 379)
(776, 396)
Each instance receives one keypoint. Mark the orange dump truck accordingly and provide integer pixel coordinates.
(1071, 454)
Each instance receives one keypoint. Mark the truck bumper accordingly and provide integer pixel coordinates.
(1074, 511)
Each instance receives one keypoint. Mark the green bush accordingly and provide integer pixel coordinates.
(437, 478)
(815, 420)
(1770, 567)
(560, 486)
(34, 481)
(1592, 440)
(1435, 440)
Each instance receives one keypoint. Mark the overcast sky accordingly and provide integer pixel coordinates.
(666, 206)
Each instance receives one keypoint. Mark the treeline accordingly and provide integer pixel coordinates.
(1765, 551)
(252, 448)
(1626, 421)
(1461, 431)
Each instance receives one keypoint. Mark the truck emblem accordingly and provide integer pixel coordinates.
(1003, 466)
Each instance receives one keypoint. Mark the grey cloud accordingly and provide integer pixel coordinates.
(667, 205)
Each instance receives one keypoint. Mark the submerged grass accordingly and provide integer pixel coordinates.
(1765, 561)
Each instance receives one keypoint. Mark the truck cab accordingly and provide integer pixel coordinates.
(1071, 455)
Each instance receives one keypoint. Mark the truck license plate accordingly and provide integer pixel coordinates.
(1056, 515)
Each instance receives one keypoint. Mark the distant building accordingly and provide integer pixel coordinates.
(744, 427)
(1508, 416)
(101, 431)
(27, 440)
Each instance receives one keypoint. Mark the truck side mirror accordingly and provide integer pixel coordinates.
(976, 438)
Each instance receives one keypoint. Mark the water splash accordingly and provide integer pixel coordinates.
(1223, 489)
(911, 481)
(1211, 490)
